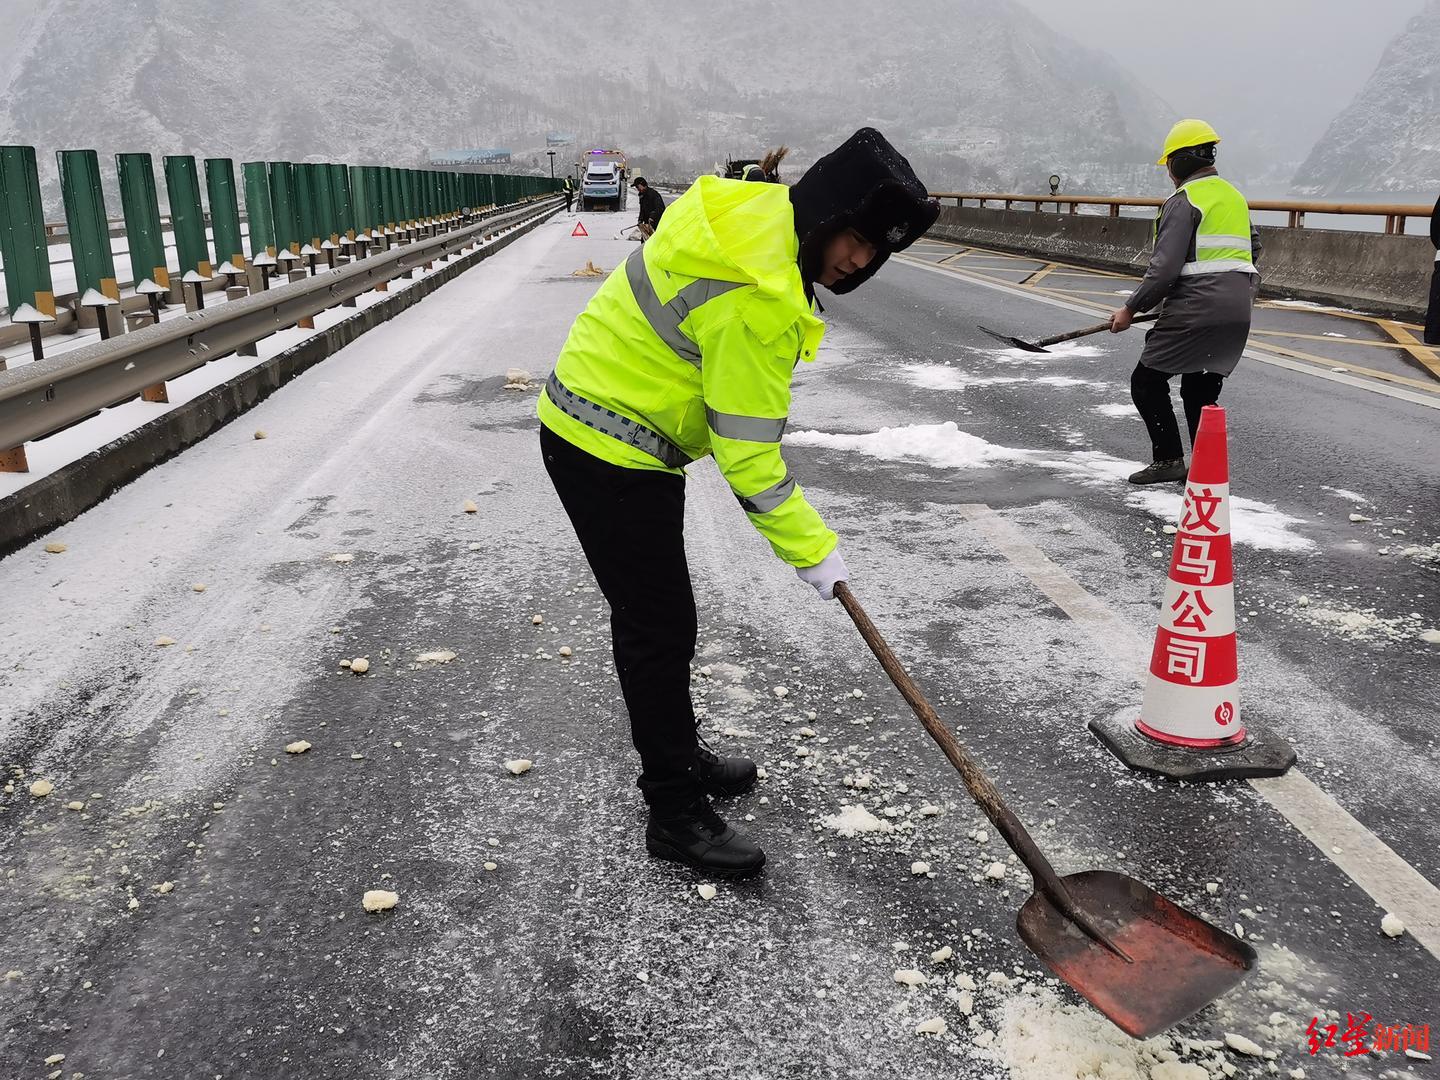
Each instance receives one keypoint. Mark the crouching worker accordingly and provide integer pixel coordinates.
(688, 350)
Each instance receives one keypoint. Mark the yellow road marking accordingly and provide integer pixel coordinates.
(1326, 337)
(1413, 346)
(1354, 369)
(1093, 273)
(1039, 275)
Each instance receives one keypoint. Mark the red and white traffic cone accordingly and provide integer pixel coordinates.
(1189, 724)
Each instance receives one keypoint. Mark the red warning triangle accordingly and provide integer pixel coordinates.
(579, 229)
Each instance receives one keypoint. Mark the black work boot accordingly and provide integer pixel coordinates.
(723, 776)
(1161, 472)
(696, 837)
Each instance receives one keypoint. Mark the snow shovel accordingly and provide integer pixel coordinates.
(1043, 344)
(1143, 961)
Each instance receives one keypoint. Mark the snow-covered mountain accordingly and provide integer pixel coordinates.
(976, 91)
(1388, 139)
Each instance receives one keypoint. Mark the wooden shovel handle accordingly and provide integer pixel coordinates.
(985, 794)
(1086, 331)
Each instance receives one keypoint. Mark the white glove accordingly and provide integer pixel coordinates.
(825, 574)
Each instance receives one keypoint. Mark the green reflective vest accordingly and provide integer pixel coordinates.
(1222, 240)
(688, 349)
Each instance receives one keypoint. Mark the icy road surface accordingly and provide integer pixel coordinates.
(187, 901)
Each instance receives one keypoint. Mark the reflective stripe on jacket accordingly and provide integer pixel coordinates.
(688, 349)
(1222, 239)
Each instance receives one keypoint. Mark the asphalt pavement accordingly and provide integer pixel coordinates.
(200, 913)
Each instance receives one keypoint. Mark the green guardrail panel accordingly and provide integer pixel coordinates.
(325, 205)
(360, 214)
(408, 208)
(341, 198)
(282, 203)
(88, 223)
(307, 205)
(394, 208)
(258, 214)
(140, 202)
(187, 219)
(224, 211)
(22, 233)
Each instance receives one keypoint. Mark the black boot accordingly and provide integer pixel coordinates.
(698, 838)
(1161, 472)
(723, 776)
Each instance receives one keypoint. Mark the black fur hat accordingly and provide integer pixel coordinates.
(865, 185)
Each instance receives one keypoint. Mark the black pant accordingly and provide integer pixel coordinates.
(1150, 390)
(1432, 317)
(569, 198)
(631, 526)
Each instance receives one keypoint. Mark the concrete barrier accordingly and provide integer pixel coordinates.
(1373, 272)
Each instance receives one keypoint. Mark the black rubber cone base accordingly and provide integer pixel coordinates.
(1262, 753)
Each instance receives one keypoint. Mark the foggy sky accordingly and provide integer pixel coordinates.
(1283, 68)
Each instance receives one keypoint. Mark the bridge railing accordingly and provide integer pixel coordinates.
(294, 212)
(1394, 215)
(41, 398)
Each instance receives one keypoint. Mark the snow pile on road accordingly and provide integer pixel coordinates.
(1068, 380)
(852, 820)
(1042, 1038)
(1064, 351)
(1116, 409)
(1252, 522)
(1363, 625)
(944, 445)
(1345, 493)
(935, 377)
(938, 377)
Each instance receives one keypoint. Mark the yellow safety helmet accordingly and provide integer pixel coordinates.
(1187, 133)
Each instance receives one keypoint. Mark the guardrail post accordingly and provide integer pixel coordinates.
(95, 285)
(225, 218)
(23, 246)
(261, 221)
(343, 199)
(362, 209)
(286, 216)
(141, 205)
(307, 206)
(325, 213)
(425, 183)
(182, 181)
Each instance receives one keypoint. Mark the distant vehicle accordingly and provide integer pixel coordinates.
(603, 185)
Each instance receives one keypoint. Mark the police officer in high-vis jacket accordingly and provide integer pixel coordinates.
(687, 351)
(1203, 270)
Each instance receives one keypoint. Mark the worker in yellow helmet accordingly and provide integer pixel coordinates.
(687, 351)
(1203, 271)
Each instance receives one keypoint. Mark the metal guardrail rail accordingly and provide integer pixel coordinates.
(58, 232)
(46, 396)
(1395, 214)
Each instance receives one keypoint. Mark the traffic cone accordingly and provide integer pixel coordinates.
(1189, 725)
(579, 229)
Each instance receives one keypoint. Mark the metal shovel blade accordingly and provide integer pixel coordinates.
(1179, 963)
(1013, 342)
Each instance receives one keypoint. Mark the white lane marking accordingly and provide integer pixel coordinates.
(1112, 633)
(1370, 862)
(1362, 856)
(1375, 386)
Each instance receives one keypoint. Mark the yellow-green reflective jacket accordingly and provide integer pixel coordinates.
(688, 349)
